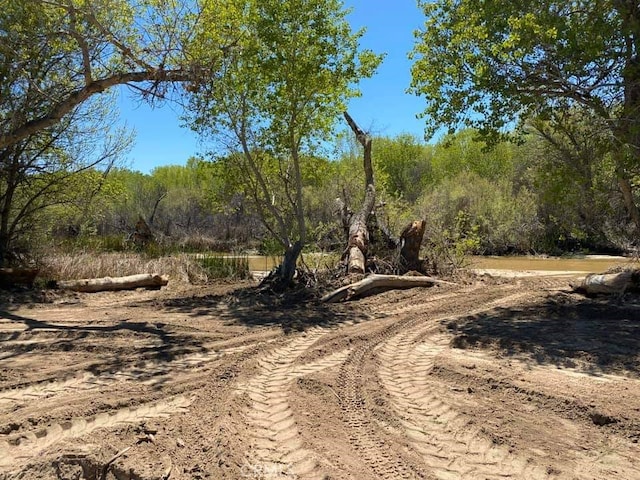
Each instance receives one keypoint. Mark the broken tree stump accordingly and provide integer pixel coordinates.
(410, 241)
(358, 242)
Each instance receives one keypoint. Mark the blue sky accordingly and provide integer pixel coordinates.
(384, 108)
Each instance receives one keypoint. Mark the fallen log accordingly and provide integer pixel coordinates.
(92, 285)
(385, 282)
(609, 283)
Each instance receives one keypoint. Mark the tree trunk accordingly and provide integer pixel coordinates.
(356, 252)
(411, 240)
(8, 158)
(281, 278)
(359, 234)
(289, 263)
(144, 280)
(628, 129)
(142, 235)
(629, 201)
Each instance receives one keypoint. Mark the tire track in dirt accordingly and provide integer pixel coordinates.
(16, 449)
(364, 434)
(150, 373)
(449, 443)
(277, 445)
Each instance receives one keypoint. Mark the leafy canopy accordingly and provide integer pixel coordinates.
(487, 63)
(288, 74)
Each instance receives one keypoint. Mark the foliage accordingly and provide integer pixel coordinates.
(62, 171)
(465, 152)
(491, 64)
(57, 58)
(475, 215)
(574, 178)
(403, 164)
(480, 63)
(280, 90)
(57, 54)
(267, 81)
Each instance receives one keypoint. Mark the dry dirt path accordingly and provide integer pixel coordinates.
(516, 379)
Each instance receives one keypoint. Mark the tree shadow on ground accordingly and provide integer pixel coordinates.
(597, 336)
(294, 310)
(162, 344)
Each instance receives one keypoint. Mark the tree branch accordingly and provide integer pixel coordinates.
(76, 98)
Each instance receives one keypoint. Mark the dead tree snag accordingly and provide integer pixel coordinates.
(356, 252)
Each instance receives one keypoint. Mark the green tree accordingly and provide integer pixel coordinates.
(279, 93)
(56, 54)
(57, 58)
(489, 63)
(572, 172)
(402, 165)
(463, 152)
(64, 167)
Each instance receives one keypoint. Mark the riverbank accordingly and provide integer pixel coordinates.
(215, 381)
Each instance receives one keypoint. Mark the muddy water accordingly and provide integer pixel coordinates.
(259, 263)
(589, 263)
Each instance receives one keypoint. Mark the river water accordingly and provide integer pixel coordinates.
(588, 263)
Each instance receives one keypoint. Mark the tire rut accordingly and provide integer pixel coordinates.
(151, 373)
(364, 434)
(450, 445)
(16, 449)
(277, 446)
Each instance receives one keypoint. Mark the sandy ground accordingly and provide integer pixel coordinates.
(517, 378)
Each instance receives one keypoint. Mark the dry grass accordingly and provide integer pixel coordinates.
(67, 266)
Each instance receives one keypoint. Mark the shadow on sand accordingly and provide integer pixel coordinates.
(597, 336)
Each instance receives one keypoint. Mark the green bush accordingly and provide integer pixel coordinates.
(475, 215)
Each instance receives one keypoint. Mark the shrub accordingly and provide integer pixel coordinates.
(472, 214)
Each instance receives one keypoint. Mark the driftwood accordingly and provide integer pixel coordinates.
(386, 282)
(609, 283)
(10, 277)
(91, 285)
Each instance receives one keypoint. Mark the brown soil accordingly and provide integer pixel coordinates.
(514, 379)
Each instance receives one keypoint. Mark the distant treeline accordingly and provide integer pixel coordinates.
(539, 195)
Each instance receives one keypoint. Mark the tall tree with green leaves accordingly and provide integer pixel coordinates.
(56, 54)
(58, 58)
(489, 63)
(280, 90)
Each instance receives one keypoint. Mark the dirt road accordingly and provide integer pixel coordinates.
(517, 379)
